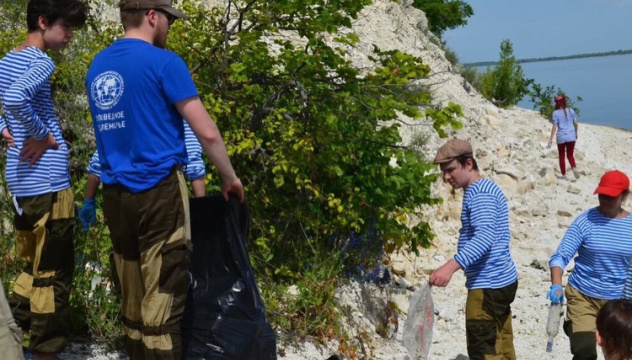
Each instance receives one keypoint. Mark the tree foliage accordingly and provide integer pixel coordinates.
(306, 129)
(505, 84)
(542, 99)
(443, 15)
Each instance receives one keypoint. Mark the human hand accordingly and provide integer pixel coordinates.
(6, 134)
(33, 149)
(88, 214)
(549, 144)
(442, 276)
(233, 186)
(556, 294)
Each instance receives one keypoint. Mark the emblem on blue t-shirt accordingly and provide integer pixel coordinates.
(106, 89)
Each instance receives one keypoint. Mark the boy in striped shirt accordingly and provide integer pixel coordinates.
(37, 176)
(483, 254)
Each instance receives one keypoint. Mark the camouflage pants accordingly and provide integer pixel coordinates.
(488, 323)
(41, 292)
(151, 239)
(581, 323)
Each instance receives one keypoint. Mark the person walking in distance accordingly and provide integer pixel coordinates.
(138, 95)
(565, 126)
(482, 253)
(38, 178)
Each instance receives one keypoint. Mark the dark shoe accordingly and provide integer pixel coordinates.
(45, 356)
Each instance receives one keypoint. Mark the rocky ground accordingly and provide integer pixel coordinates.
(510, 148)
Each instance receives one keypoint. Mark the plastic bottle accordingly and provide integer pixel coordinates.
(553, 324)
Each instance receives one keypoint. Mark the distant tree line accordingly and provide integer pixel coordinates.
(504, 84)
(554, 58)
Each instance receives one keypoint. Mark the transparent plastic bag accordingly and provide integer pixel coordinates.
(417, 336)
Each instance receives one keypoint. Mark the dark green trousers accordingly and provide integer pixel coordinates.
(488, 323)
(151, 239)
(581, 323)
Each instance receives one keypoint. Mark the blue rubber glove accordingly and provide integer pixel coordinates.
(556, 294)
(88, 214)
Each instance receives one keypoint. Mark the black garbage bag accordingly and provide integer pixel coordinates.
(224, 317)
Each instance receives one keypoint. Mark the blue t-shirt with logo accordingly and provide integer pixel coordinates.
(133, 87)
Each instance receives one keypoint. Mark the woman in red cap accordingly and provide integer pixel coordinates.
(565, 125)
(601, 239)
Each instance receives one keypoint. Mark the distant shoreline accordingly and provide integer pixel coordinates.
(554, 58)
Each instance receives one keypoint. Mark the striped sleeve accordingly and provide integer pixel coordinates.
(18, 99)
(483, 215)
(570, 244)
(627, 288)
(94, 167)
(194, 169)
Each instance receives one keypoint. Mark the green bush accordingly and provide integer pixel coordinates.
(471, 76)
(451, 56)
(505, 84)
(542, 99)
(444, 14)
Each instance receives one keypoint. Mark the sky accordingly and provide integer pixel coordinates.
(542, 28)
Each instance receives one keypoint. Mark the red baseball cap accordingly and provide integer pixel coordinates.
(613, 183)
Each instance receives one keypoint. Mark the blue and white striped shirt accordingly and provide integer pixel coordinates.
(627, 288)
(603, 246)
(194, 169)
(28, 112)
(483, 249)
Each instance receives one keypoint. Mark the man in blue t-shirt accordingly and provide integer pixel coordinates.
(483, 255)
(138, 93)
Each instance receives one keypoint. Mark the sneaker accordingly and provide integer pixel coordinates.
(575, 173)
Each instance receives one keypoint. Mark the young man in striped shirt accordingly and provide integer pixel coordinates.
(483, 254)
(37, 176)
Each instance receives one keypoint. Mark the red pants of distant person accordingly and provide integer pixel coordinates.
(568, 148)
